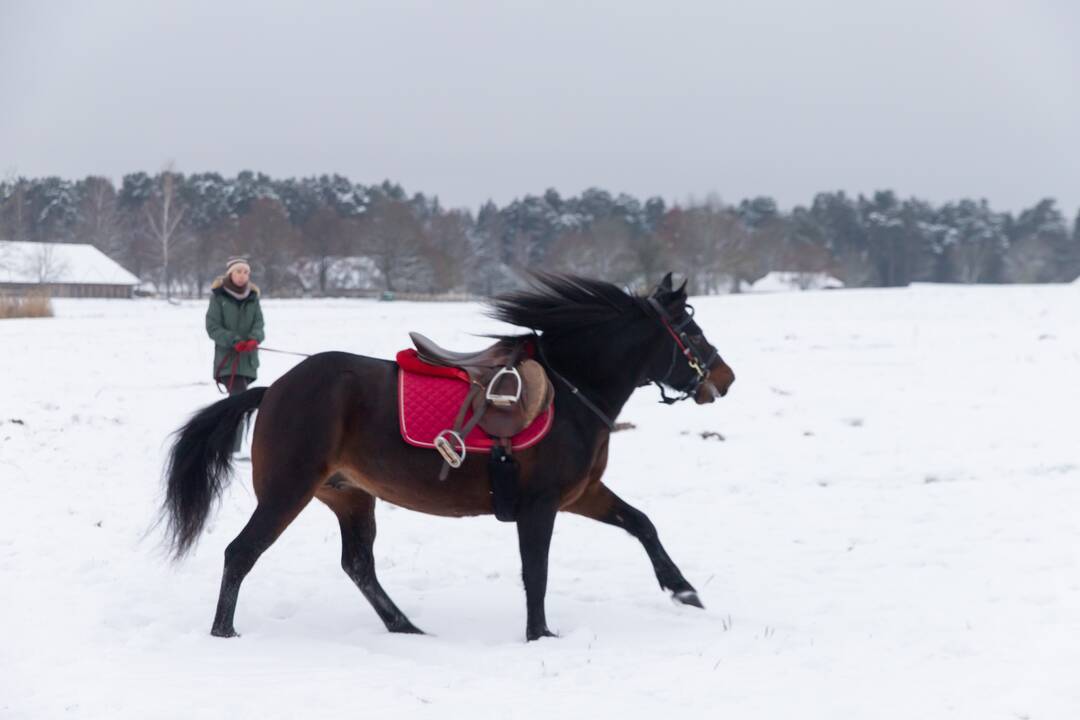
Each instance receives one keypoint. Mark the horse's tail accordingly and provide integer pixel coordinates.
(199, 466)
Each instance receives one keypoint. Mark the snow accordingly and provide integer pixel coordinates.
(33, 262)
(888, 529)
(781, 281)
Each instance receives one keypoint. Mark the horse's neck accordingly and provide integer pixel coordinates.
(607, 375)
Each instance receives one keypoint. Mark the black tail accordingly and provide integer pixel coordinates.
(199, 465)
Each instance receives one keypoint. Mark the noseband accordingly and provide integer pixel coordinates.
(698, 363)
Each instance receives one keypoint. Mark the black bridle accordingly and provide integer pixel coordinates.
(698, 362)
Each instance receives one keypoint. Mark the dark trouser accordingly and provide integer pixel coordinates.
(239, 385)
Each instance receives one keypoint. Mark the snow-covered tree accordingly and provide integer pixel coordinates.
(165, 212)
(599, 249)
(1044, 251)
(14, 210)
(976, 240)
(487, 272)
(98, 218)
(447, 249)
(712, 246)
(845, 237)
(211, 217)
(53, 205)
(394, 238)
(265, 234)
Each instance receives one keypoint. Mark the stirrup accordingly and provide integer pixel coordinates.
(446, 448)
(501, 400)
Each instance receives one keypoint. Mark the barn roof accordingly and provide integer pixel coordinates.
(59, 263)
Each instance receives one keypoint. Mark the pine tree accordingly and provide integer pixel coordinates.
(845, 237)
(976, 241)
(210, 199)
(53, 210)
(1074, 270)
(1042, 250)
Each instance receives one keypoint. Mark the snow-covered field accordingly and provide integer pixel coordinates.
(889, 528)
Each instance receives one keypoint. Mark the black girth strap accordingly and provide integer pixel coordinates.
(504, 471)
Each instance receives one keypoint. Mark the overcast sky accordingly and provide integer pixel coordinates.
(478, 100)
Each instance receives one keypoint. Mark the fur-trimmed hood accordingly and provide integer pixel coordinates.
(219, 284)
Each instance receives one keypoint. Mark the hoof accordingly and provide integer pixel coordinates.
(407, 629)
(687, 597)
(532, 635)
(224, 632)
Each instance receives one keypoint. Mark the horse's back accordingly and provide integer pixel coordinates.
(331, 424)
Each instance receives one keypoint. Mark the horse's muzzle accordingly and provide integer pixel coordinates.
(716, 384)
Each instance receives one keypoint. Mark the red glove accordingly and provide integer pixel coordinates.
(246, 346)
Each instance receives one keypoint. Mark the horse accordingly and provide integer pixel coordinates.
(328, 429)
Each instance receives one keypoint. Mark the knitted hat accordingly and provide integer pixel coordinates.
(235, 261)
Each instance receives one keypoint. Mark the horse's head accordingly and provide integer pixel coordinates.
(685, 360)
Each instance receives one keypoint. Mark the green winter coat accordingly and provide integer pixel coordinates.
(228, 321)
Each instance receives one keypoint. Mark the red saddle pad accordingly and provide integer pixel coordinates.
(429, 398)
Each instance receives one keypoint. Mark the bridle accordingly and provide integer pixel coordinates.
(694, 358)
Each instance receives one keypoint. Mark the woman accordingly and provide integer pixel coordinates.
(234, 321)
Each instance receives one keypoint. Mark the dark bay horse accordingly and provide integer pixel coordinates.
(328, 429)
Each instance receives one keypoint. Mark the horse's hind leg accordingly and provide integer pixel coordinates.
(355, 510)
(600, 503)
(267, 522)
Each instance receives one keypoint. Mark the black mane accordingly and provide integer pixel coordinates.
(558, 304)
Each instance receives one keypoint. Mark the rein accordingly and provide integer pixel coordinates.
(574, 389)
(236, 363)
(284, 352)
(232, 373)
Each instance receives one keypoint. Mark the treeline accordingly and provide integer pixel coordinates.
(327, 235)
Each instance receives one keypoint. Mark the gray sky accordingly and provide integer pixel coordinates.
(477, 100)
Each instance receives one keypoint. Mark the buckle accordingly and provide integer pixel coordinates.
(499, 399)
(446, 448)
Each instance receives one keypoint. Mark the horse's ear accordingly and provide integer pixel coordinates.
(681, 291)
(664, 286)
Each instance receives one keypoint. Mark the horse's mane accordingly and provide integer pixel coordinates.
(558, 303)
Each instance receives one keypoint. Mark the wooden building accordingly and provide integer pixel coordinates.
(62, 270)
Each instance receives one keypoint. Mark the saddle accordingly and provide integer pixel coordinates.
(508, 390)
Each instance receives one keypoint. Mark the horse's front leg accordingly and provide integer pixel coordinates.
(535, 522)
(600, 503)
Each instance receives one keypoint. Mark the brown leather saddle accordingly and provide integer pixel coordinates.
(508, 391)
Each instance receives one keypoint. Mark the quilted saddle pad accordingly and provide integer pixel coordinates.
(429, 398)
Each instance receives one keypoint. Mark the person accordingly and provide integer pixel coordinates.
(234, 321)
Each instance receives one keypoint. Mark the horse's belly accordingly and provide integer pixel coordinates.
(456, 497)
